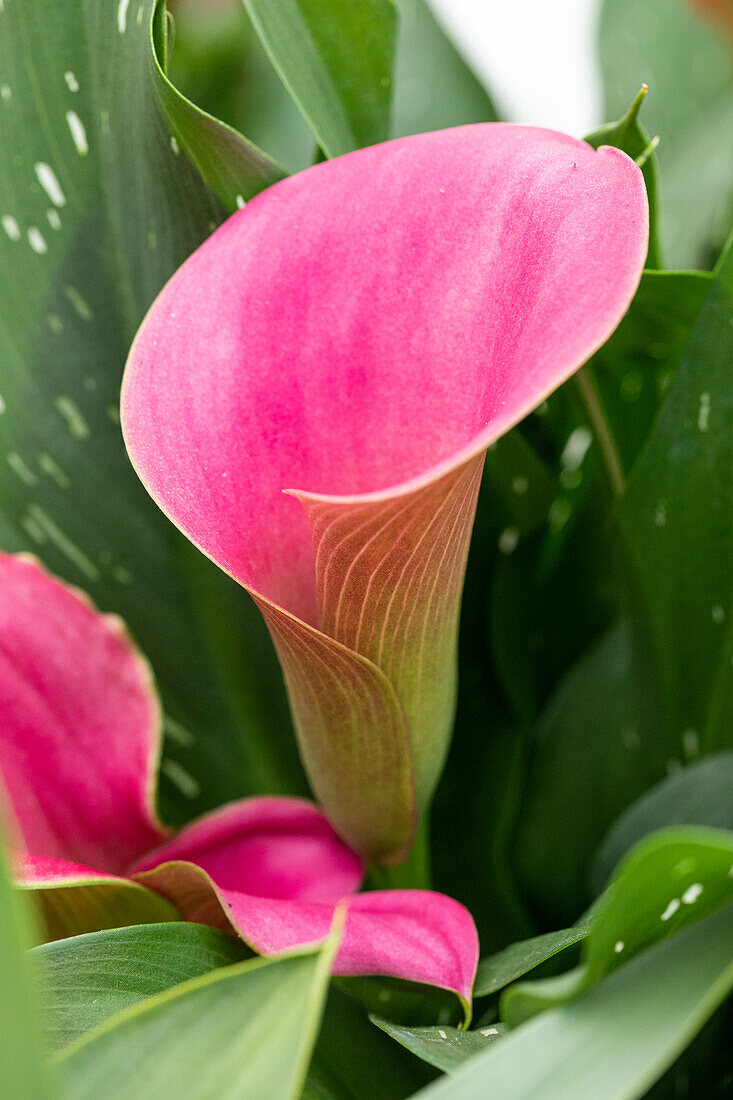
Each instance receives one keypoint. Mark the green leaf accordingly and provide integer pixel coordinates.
(446, 1048)
(699, 794)
(686, 64)
(335, 57)
(628, 134)
(22, 1069)
(243, 1030)
(596, 749)
(634, 368)
(83, 252)
(434, 87)
(676, 520)
(519, 958)
(614, 1041)
(87, 979)
(234, 168)
(354, 1061)
(674, 878)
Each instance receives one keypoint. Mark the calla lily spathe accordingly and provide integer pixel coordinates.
(311, 397)
(79, 743)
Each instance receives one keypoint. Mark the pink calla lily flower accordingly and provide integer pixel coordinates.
(311, 397)
(79, 743)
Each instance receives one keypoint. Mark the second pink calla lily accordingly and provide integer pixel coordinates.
(79, 744)
(311, 397)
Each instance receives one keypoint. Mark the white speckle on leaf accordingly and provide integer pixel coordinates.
(122, 15)
(79, 304)
(53, 219)
(3, 406)
(520, 485)
(508, 540)
(5, 92)
(671, 909)
(619, 946)
(718, 614)
(35, 532)
(49, 182)
(63, 542)
(18, 466)
(71, 82)
(55, 323)
(76, 423)
(489, 1031)
(559, 514)
(11, 227)
(692, 893)
(36, 240)
(703, 415)
(175, 146)
(576, 448)
(177, 732)
(78, 133)
(139, 17)
(240, 202)
(442, 1033)
(691, 743)
(180, 778)
(49, 466)
(630, 737)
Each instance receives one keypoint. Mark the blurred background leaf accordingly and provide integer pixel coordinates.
(676, 522)
(22, 1053)
(687, 64)
(335, 57)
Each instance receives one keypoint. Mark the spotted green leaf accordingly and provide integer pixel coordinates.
(98, 207)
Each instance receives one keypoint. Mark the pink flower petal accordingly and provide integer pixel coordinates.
(274, 847)
(359, 334)
(413, 934)
(80, 724)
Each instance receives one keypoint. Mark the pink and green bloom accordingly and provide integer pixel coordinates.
(312, 395)
(79, 745)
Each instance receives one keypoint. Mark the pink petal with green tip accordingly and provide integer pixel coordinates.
(80, 729)
(417, 935)
(358, 335)
(73, 899)
(274, 869)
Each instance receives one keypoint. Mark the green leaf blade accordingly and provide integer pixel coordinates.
(613, 1042)
(244, 1030)
(335, 57)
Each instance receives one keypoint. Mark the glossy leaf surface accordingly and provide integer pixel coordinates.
(612, 1043)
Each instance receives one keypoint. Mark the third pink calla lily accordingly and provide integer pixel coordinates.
(311, 397)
